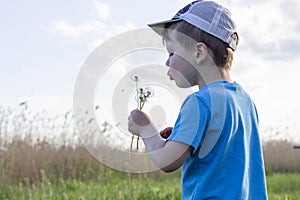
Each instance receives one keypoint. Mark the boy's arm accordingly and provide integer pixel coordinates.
(167, 155)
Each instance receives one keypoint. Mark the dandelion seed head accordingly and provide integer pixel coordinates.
(149, 91)
(135, 78)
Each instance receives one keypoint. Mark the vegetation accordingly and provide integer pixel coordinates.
(283, 186)
(115, 185)
(47, 166)
(111, 186)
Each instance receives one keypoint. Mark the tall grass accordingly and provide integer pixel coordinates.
(35, 146)
(23, 162)
(281, 157)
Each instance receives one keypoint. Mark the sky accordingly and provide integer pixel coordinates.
(44, 44)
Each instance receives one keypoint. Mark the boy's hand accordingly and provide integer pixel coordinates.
(166, 132)
(139, 122)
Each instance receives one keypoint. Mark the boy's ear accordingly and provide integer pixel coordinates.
(201, 52)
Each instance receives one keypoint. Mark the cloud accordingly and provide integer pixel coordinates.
(103, 30)
(102, 9)
(110, 32)
(74, 31)
(68, 30)
(268, 30)
(291, 46)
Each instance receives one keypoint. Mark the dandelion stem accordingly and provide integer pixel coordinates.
(132, 138)
(141, 96)
(136, 79)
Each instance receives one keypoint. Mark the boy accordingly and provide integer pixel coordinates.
(215, 138)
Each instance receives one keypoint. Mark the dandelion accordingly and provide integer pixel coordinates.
(142, 94)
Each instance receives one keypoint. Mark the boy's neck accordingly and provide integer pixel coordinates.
(214, 74)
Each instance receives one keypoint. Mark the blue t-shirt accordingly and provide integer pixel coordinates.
(220, 123)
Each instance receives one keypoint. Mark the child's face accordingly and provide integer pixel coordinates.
(181, 63)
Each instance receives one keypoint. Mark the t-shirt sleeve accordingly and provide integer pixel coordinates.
(191, 123)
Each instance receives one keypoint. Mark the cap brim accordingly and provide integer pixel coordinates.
(158, 27)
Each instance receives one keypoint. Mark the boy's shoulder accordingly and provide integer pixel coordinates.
(220, 87)
(214, 88)
(219, 91)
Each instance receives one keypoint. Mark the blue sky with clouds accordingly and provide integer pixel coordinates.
(44, 44)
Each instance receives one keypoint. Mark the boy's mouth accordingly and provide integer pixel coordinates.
(171, 78)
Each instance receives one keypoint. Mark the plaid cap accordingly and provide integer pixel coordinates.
(183, 10)
(207, 16)
(158, 26)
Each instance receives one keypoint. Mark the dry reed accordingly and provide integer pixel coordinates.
(33, 144)
(280, 156)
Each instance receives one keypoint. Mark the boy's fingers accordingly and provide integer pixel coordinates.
(166, 132)
(139, 118)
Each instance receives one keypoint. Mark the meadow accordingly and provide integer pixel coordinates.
(35, 163)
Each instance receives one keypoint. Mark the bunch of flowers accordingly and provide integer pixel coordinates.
(142, 95)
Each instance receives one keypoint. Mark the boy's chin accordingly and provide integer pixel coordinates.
(183, 85)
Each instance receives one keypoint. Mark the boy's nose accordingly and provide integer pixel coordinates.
(168, 62)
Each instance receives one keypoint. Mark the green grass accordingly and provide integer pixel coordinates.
(284, 186)
(38, 167)
(115, 186)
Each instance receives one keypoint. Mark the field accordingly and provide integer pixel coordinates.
(119, 186)
(34, 167)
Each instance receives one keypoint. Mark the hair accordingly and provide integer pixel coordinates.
(188, 34)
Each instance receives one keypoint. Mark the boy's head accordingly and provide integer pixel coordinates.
(206, 22)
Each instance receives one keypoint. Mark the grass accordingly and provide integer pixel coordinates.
(115, 185)
(281, 157)
(112, 186)
(33, 166)
(284, 186)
